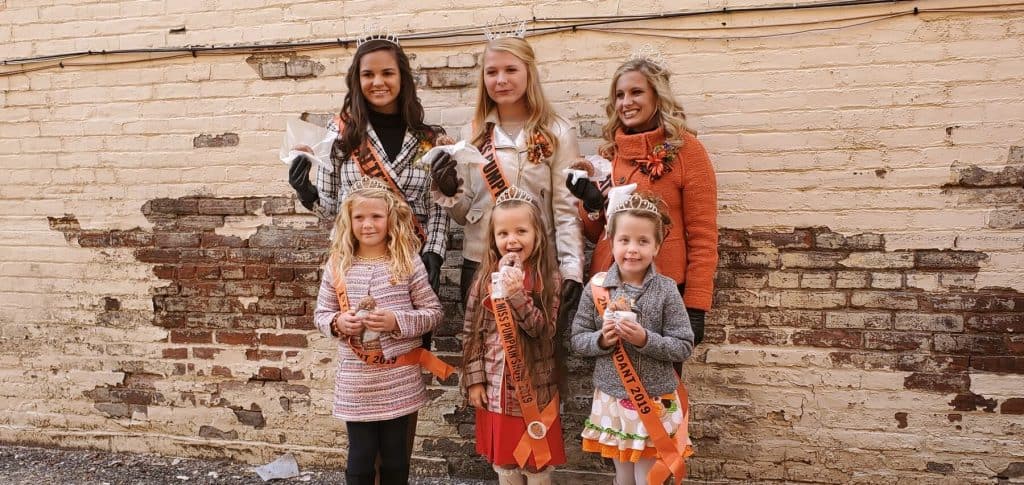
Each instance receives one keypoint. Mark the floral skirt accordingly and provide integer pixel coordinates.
(614, 428)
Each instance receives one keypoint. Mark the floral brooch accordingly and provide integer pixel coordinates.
(538, 149)
(659, 162)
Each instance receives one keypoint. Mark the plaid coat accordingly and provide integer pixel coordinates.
(333, 181)
(488, 366)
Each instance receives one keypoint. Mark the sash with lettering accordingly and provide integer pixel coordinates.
(671, 453)
(538, 422)
(371, 165)
(494, 177)
(418, 356)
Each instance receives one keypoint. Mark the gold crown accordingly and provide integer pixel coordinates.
(368, 183)
(502, 27)
(513, 193)
(649, 53)
(636, 202)
(376, 31)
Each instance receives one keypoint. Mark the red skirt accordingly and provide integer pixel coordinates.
(497, 436)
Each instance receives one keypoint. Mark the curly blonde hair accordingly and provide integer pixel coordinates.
(402, 243)
(669, 112)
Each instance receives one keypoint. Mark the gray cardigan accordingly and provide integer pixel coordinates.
(669, 336)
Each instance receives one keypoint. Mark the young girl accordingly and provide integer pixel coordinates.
(376, 299)
(649, 144)
(646, 326)
(508, 368)
(527, 145)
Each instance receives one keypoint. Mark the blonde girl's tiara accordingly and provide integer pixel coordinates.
(368, 183)
(502, 27)
(513, 193)
(649, 53)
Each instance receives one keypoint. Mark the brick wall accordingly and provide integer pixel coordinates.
(157, 278)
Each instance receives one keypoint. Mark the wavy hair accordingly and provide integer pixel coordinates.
(541, 114)
(545, 269)
(402, 243)
(355, 109)
(669, 112)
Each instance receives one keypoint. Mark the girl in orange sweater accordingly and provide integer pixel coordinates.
(647, 140)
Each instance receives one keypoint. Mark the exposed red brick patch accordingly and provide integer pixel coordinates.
(948, 383)
(901, 420)
(1014, 405)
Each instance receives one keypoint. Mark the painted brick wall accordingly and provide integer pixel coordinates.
(157, 278)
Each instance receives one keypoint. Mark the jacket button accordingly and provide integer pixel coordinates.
(621, 181)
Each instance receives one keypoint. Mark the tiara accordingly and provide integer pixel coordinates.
(502, 27)
(368, 183)
(636, 202)
(513, 193)
(376, 31)
(649, 53)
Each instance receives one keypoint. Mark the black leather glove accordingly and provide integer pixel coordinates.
(697, 324)
(298, 178)
(445, 176)
(433, 263)
(571, 291)
(586, 191)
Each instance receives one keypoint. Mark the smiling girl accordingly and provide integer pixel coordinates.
(509, 369)
(379, 385)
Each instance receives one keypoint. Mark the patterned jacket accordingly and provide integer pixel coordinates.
(333, 181)
(488, 367)
(365, 392)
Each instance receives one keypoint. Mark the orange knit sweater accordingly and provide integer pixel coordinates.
(689, 253)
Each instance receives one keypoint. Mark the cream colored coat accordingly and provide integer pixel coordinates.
(472, 206)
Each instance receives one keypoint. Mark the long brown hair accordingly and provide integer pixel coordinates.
(544, 268)
(669, 112)
(542, 114)
(355, 109)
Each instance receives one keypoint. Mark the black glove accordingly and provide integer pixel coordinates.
(697, 324)
(586, 191)
(445, 176)
(571, 291)
(433, 263)
(298, 178)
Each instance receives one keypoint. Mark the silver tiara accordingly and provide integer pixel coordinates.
(513, 193)
(368, 183)
(502, 27)
(636, 202)
(376, 31)
(649, 53)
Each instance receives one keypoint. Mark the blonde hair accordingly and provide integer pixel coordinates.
(669, 112)
(545, 269)
(661, 220)
(541, 114)
(402, 243)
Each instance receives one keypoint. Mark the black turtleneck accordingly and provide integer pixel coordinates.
(391, 131)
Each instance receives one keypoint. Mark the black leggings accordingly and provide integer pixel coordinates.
(466, 279)
(389, 439)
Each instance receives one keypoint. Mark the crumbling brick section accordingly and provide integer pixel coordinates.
(223, 291)
(285, 66)
(916, 311)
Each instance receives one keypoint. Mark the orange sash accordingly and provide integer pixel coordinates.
(371, 165)
(538, 422)
(418, 356)
(671, 461)
(493, 175)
